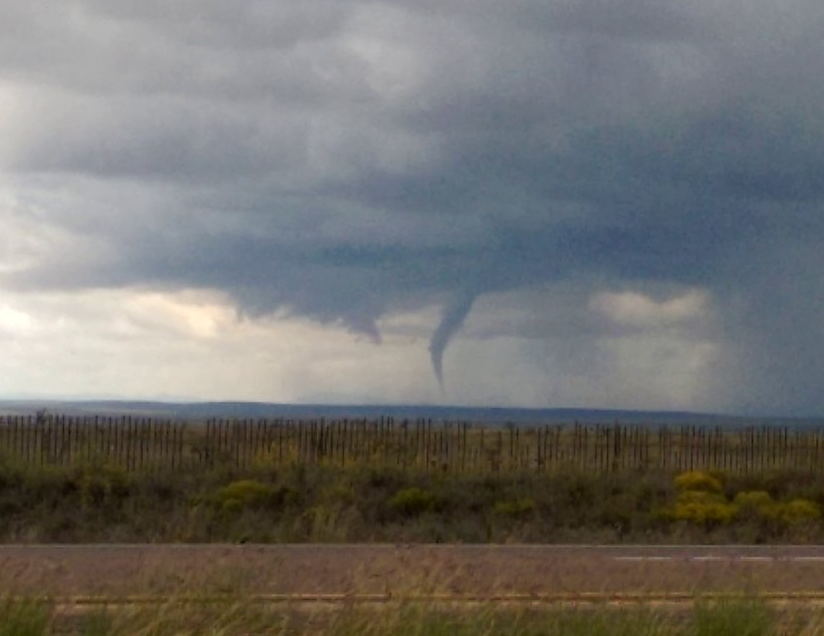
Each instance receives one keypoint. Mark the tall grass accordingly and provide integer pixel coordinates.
(26, 617)
(744, 617)
(734, 618)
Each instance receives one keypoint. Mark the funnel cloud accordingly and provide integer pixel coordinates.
(454, 315)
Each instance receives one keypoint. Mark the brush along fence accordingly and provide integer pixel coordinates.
(144, 444)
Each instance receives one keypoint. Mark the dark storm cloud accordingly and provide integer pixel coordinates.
(342, 160)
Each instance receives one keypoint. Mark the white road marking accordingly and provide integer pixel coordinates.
(725, 558)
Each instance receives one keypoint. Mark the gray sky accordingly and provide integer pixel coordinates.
(548, 202)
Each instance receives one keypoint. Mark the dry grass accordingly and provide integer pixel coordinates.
(236, 616)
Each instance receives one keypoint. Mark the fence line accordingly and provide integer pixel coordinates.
(151, 444)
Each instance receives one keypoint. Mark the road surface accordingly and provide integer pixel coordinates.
(460, 571)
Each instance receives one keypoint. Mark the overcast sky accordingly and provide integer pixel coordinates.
(510, 202)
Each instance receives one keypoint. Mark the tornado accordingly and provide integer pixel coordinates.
(454, 314)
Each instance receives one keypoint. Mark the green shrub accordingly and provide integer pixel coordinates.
(99, 486)
(697, 480)
(242, 494)
(759, 505)
(703, 507)
(338, 494)
(798, 511)
(410, 502)
(754, 505)
(515, 508)
(755, 499)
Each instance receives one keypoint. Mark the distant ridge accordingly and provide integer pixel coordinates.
(486, 415)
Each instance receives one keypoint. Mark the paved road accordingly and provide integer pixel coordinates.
(462, 570)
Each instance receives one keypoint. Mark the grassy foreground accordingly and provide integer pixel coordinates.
(741, 617)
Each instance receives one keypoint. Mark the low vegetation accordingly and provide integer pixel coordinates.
(360, 503)
(701, 500)
(736, 617)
